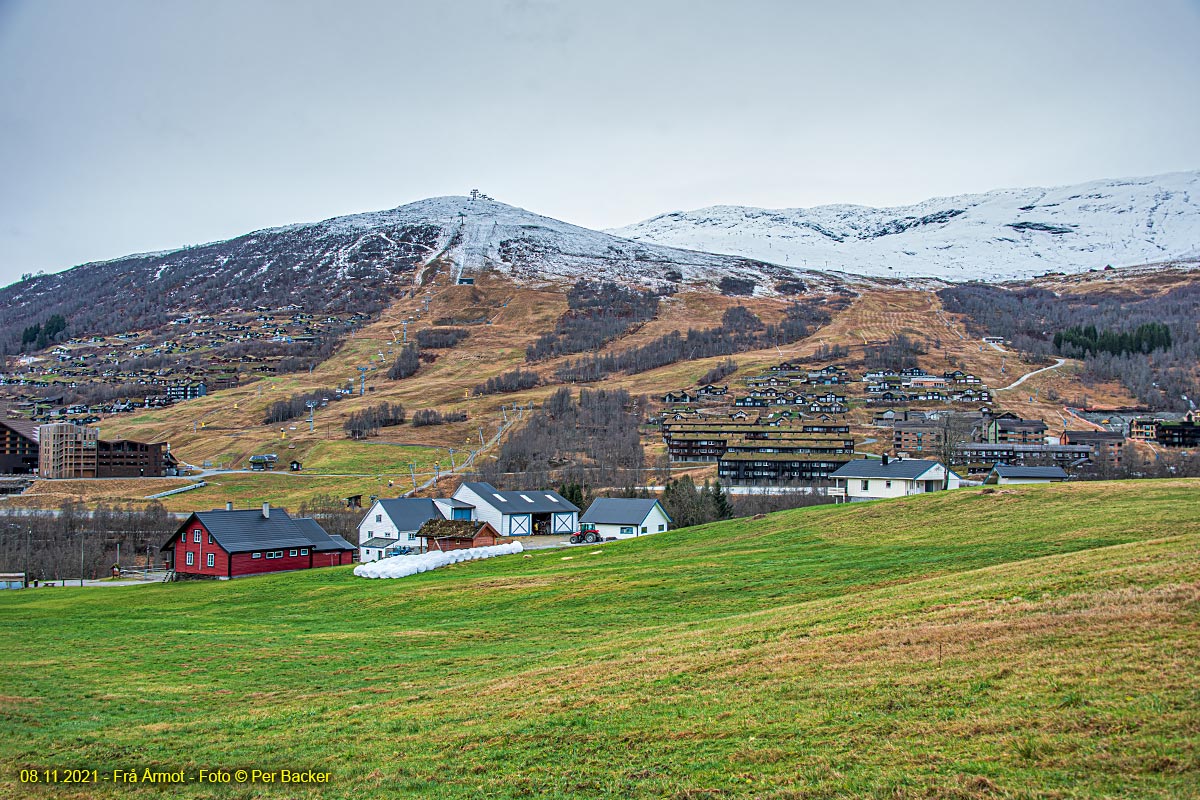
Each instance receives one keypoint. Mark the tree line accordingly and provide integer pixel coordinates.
(1030, 317)
(435, 338)
(369, 420)
(1081, 341)
(50, 545)
(296, 406)
(431, 416)
(407, 363)
(740, 330)
(515, 381)
(596, 314)
(591, 439)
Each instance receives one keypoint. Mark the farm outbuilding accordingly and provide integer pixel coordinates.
(230, 544)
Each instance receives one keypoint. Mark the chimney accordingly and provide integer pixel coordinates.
(266, 510)
(885, 459)
(228, 506)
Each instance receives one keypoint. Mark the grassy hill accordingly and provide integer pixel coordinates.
(1031, 641)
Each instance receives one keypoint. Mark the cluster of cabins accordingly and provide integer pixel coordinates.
(113, 360)
(790, 384)
(1002, 438)
(783, 448)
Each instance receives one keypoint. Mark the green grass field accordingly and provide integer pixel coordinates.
(1029, 642)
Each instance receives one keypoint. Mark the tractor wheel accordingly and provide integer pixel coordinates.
(591, 538)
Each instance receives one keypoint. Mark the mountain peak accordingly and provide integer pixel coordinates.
(1006, 233)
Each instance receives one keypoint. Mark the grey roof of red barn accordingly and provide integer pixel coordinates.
(243, 531)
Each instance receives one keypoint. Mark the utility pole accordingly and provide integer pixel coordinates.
(453, 466)
(81, 559)
(412, 472)
(481, 444)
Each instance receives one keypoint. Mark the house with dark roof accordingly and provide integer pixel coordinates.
(390, 526)
(227, 544)
(1005, 474)
(522, 513)
(874, 479)
(624, 517)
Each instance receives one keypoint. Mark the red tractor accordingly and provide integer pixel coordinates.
(587, 535)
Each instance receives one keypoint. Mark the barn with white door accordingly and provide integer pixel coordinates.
(522, 513)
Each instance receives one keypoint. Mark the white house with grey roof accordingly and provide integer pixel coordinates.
(625, 518)
(522, 513)
(875, 479)
(390, 526)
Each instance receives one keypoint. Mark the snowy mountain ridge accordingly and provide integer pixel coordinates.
(1003, 234)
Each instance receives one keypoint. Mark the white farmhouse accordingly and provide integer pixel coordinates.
(390, 527)
(625, 518)
(874, 479)
(522, 513)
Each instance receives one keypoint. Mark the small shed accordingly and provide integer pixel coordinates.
(13, 580)
(457, 534)
(1004, 474)
(296, 466)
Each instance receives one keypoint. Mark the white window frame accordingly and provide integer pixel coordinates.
(255, 555)
(196, 536)
(303, 551)
(191, 558)
(210, 560)
(292, 553)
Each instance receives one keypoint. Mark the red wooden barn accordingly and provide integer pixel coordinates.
(457, 534)
(229, 544)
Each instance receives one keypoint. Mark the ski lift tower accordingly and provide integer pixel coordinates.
(362, 389)
(474, 195)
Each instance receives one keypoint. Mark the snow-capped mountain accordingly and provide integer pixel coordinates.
(359, 263)
(1009, 233)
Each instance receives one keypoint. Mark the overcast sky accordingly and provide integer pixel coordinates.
(134, 126)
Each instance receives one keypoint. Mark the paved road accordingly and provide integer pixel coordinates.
(1058, 363)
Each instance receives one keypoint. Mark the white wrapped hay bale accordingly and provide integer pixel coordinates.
(403, 566)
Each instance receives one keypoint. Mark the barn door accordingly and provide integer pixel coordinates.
(518, 525)
(564, 523)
